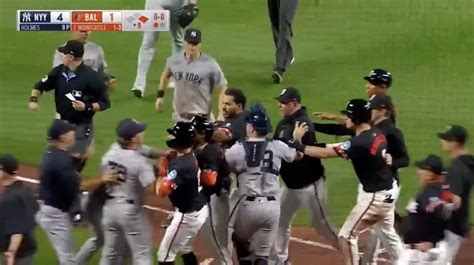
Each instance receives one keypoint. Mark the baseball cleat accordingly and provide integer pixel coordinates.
(137, 93)
(277, 77)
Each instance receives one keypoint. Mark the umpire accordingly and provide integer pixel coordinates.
(17, 216)
(79, 92)
(304, 179)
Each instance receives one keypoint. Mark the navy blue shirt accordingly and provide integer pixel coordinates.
(59, 181)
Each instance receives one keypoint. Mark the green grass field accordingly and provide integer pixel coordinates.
(426, 44)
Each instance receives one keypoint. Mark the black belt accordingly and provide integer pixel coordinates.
(189, 116)
(253, 198)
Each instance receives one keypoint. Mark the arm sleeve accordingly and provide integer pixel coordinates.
(231, 156)
(288, 153)
(15, 221)
(332, 129)
(218, 79)
(147, 176)
(455, 180)
(398, 149)
(57, 58)
(348, 149)
(102, 63)
(47, 83)
(102, 97)
(168, 68)
(68, 177)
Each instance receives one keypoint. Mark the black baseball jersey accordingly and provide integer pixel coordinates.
(299, 173)
(184, 172)
(367, 153)
(59, 181)
(17, 216)
(237, 126)
(395, 145)
(208, 158)
(426, 219)
(460, 178)
(84, 84)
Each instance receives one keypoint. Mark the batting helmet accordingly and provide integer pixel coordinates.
(358, 110)
(203, 126)
(379, 77)
(182, 136)
(258, 118)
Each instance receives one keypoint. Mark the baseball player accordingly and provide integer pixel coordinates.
(183, 187)
(368, 152)
(211, 160)
(460, 178)
(59, 186)
(124, 218)
(428, 215)
(182, 13)
(93, 56)
(305, 181)
(256, 162)
(282, 13)
(196, 76)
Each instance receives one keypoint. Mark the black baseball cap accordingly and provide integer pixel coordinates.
(9, 164)
(454, 133)
(381, 102)
(73, 47)
(128, 128)
(58, 128)
(432, 163)
(379, 77)
(288, 95)
(192, 36)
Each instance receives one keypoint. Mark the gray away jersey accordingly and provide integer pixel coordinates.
(194, 83)
(263, 178)
(134, 174)
(93, 57)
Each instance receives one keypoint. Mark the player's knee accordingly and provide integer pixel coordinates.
(260, 261)
(189, 259)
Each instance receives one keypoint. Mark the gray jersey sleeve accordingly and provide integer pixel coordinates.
(147, 176)
(168, 65)
(217, 79)
(233, 155)
(288, 154)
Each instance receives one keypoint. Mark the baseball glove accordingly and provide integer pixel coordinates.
(187, 14)
(110, 82)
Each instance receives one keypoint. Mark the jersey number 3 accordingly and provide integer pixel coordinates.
(121, 171)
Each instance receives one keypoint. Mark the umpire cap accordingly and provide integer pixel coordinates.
(358, 110)
(258, 118)
(203, 126)
(379, 77)
(73, 47)
(181, 135)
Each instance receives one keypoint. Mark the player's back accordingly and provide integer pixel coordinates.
(134, 174)
(257, 163)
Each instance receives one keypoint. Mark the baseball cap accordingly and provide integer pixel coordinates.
(58, 128)
(73, 47)
(379, 77)
(9, 164)
(381, 102)
(455, 133)
(288, 95)
(128, 128)
(432, 163)
(192, 36)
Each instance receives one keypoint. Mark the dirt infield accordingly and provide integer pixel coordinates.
(306, 247)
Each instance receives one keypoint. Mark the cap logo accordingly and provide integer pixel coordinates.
(283, 91)
(193, 33)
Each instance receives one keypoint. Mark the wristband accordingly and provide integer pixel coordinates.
(33, 99)
(89, 107)
(297, 145)
(160, 94)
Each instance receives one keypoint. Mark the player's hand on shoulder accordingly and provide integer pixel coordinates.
(300, 129)
(33, 106)
(159, 104)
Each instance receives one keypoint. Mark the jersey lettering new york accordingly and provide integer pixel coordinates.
(188, 76)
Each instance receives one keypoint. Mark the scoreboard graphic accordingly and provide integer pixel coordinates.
(91, 20)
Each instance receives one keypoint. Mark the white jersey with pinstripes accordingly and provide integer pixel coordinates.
(263, 179)
(134, 174)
